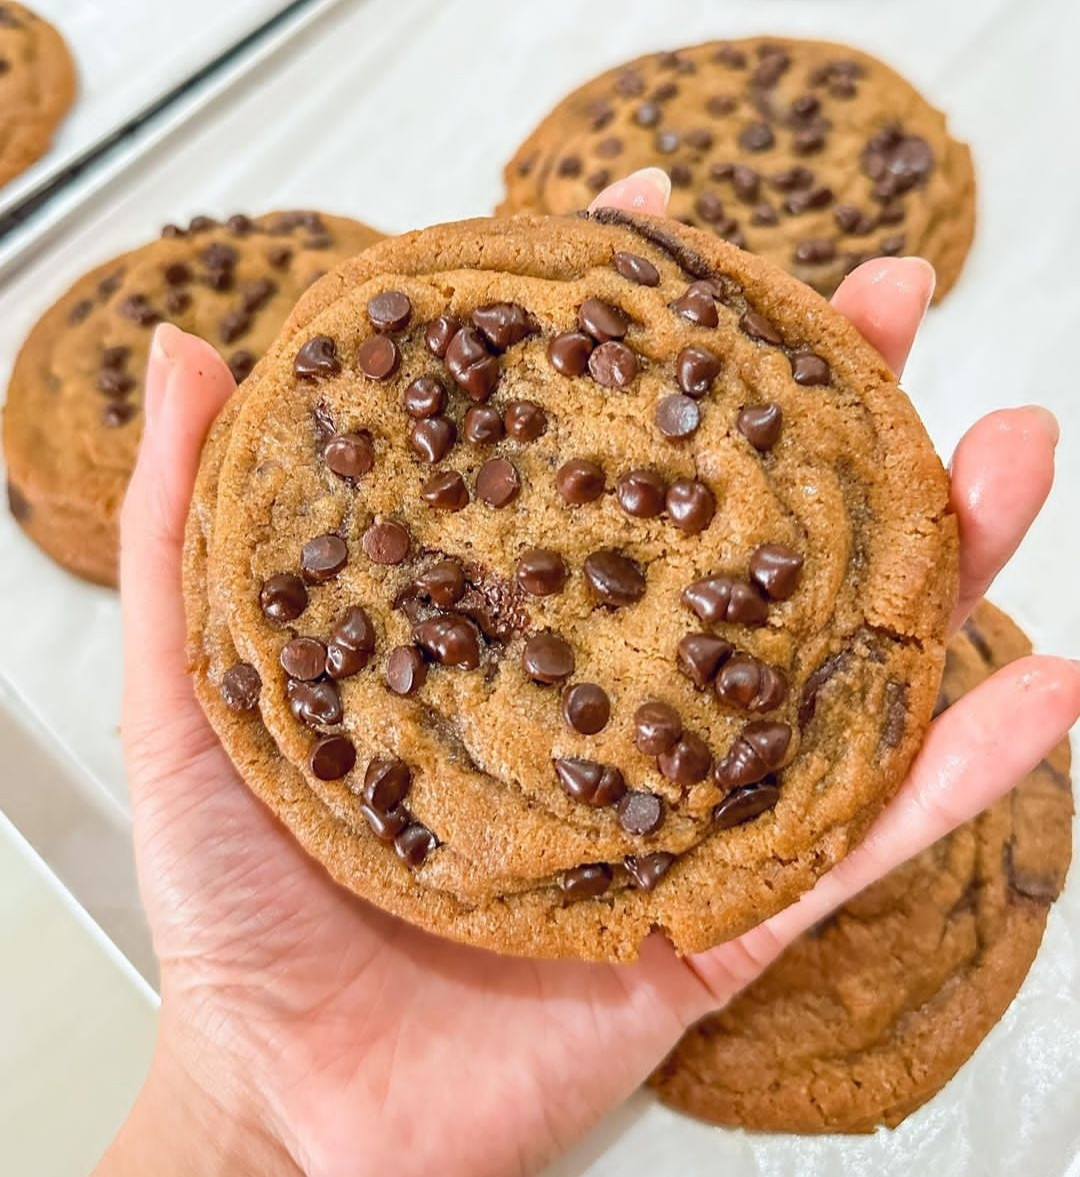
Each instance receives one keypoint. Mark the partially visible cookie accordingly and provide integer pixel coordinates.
(37, 86)
(866, 1018)
(558, 579)
(813, 155)
(73, 416)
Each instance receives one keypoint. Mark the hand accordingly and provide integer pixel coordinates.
(303, 1031)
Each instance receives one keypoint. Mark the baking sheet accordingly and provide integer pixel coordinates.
(410, 126)
(129, 53)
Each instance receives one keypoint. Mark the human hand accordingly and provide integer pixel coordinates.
(304, 1031)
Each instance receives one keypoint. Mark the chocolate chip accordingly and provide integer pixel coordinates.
(648, 114)
(641, 493)
(200, 224)
(636, 269)
(450, 641)
(235, 324)
(178, 273)
(433, 438)
(688, 762)
(524, 420)
(541, 572)
(791, 179)
(601, 320)
(657, 727)
(445, 491)
(283, 597)
(613, 365)
(386, 543)
(114, 383)
(257, 294)
(589, 782)
(424, 397)
(775, 569)
(681, 174)
(806, 106)
(746, 182)
(443, 584)
(579, 481)
(758, 327)
(240, 365)
(666, 142)
(808, 140)
(322, 558)
(730, 56)
(764, 214)
(614, 578)
(743, 805)
(695, 370)
(18, 503)
(586, 708)
(472, 366)
(629, 84)
(698, 304)
(240, 687)
(279, 257)
(814, 251)
(548, 658)
(498, 482)
(351, 644)
(385, 826)
(80, 312)
(817, 680)
(699, 138)
(318, 358)
(842, 88)
(800, 202)
(678, 416)
(771, 69)
(750, 685)
(314, 704)
(690, 505)
(378, 357)
(415, 844)
(892, 212)
(502, 324)
(640, 812)
(117, 413)
(137, 308)
(585, 882)
(609, 147)
(569, 166)
(390, 311)
(648, 869)
(700, 656)
(303, 659)
(386, 784)
(350, 455)
(896, 711)
(719, 598)
(177, 301)
(406, 670)
(332, 758)
(483, 425)
(892, 246)
(569, 353)
(722, 170)
(757, 137)
(758, 750)
(439, 332)
(760, 424)
(809, 369)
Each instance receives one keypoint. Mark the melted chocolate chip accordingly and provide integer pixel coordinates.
(601, 320)
(809, 369)
(439, 332)
(283, 597)
(443, 584)
(350, 455)
(586, 708)
(695, 370)
(775, 569)
(303, 659)
(832, 665)
(569, 353)
(760, 328)
(351, 644)
(613, 365)
(240, 687)
(502, 324)
(472, 366)
(524, 420)
(415, 844)
(760, 425)
(756, 137)
(314, 704)
(548, 658)
(614, 578)
(322, 558)
(318, 358)
(814, 251)
(483, 425)
(386, 543)
(750, 685)
(450, 641)
(896, 711)
(700, 656)
(641, 493)
(541, 572)
(385, 826)
(585, 882)
(378, 357)
(386, 784)
(636, 269)
(579, 481)
(390, 311)
(433, 438)
(589, 782)
(743, 805)
(641, 813)
(498, 482)
(657, 727)
(406, 670)
(690, 505)
(445, 491)
(698, 304)
(687, 762)
(648, 869)
(424, 397)
(720, 598)
(758, 750)
(332, 758)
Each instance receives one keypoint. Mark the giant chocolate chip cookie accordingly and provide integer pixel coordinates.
(867, 1017)
(555, 580)
(814, 155)
(73, 417)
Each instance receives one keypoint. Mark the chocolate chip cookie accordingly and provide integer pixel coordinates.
(816, 156)
(73, 417)
(37, 86)
(871, 1014)
(558, 579)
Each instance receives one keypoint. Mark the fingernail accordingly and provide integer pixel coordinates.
(658, 178)
(1049, 421)
(158, 368)
(923, 274)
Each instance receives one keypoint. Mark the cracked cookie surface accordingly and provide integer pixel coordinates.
(559, 579)
(866, 1018)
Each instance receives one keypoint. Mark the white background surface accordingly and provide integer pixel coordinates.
(401, 112)
(128, 53)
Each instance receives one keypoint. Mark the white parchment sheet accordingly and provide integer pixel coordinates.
(402, 112)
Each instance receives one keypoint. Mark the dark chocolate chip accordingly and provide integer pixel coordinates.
(386, 784)
(406, 670)
(648, 114)
(541, 572)
(137, 308)
(800, 202)
(601, 320)
(322, 558)
(585, 882)
(445, 491)
(314, 704)
(758, 750)
(586, 708)
(390, 311)
(814, 251)
(764, 214)
(303, 659)
(524, 420)
(698, 304)
(758, 327)
(415, 844)
(648, 869)
(687, 762)
(502, 324)
(350, 455)
(378, 357)
(569, 166)
(896, 711)
(424, 397)
(641, 493)
(609, 147)
(569, 353)
(695, 370)
(117, 413)
(450, 641)
(750, 685)
(472, 366)
(757, 137)
(386, 543)
(681, 174)
(613, 365)
(234, 325)
(760, 424)
(640, 812)
(657, 727)
(114, 383)
(690, 505)
(700, 656)
(241, 363)
(283, 597)
(317, 358)
(548, 658)
(439, 332)
(386, 826)
(678, 416)
(351, 644)
(80, 311)
(332, 758)
(808, 141)
(719, 598)
(629, 84)
(579, 481)
(892, 246)
(498, 482)
(743, 805)
(722, 170)
(666, 142)
(775, 569)
(483, 425)
(433, 438)
(592, 783)
(636, 269)
(614, 578)
(442, 584)
(773, 66)
(240, 687)
(18, 503)
(809, 369)
(730, 56)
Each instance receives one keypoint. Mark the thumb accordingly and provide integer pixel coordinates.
(187, 383)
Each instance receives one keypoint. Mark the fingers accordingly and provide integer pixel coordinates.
(1002, 471)
(646, 191)
(970, 758)
(187, 382)
(886, 299)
